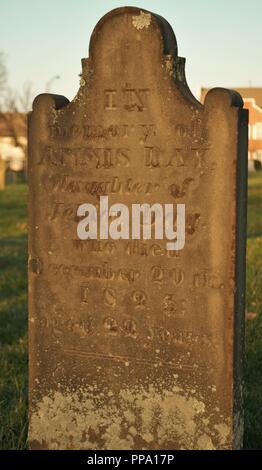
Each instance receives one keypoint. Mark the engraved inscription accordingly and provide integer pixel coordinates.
(172, 307)
(139, 298)
(110, 100)
(112, 326)
(110, 297)
(206, 279)
(86, 157)
(86, 132)
(99, 272)
(160, 274)
(129, 99)
(84, 294)
(65, 183)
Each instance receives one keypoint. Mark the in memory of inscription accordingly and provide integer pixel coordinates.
(161, 218)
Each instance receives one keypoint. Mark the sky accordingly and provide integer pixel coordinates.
(44, 39)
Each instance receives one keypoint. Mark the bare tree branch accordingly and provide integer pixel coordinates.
(3, 72)
(13, 101)
(26, 97)
(13, 107)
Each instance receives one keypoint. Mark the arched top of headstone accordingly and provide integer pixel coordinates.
(131, 19)
(127, 37)
(128, 45)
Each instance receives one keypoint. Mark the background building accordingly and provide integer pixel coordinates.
(13, 146)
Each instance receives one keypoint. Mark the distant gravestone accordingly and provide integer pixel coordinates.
(251, 165)
(134, 346)
(2, 174)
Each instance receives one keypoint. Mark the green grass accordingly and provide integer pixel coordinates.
(253, 369)
(13, 318)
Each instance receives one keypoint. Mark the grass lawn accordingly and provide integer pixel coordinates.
(253, 371)
(13, 318)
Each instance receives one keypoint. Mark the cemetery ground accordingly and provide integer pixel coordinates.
(13, 317)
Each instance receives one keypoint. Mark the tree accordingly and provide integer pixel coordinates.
(3, 78)
(13, 101)
(13, 107)
(18, 102)
(3, 72)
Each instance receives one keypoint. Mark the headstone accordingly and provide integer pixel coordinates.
(251, 165)
(133, 345)
(2, 174)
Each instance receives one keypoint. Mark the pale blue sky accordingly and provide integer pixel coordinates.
(221, 40)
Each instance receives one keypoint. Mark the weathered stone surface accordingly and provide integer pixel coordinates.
(131, 346)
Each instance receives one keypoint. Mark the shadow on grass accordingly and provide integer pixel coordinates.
(253, 385)
(13, 336)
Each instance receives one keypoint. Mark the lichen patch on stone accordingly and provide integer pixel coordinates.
(142, 20)
(143, 415)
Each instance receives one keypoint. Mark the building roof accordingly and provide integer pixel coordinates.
(13, 123)
(249, 92)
